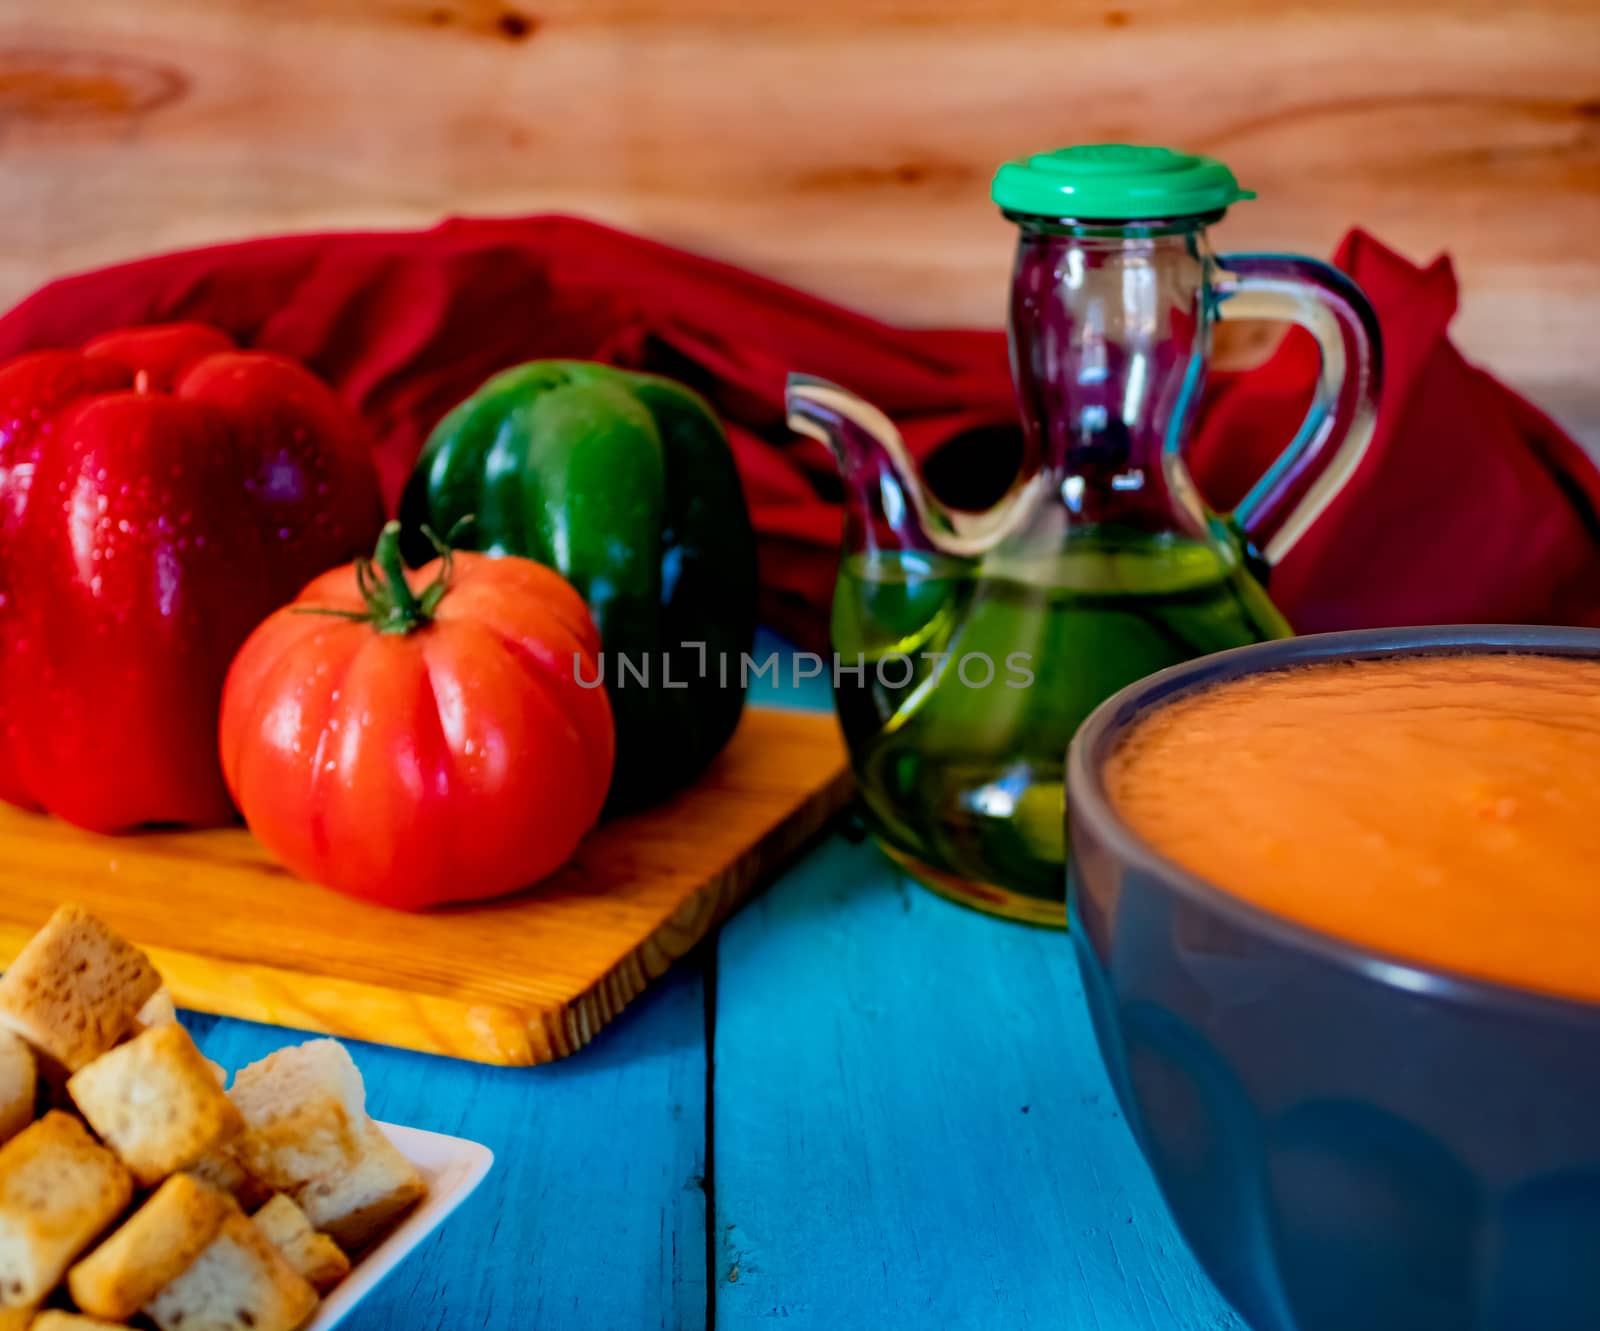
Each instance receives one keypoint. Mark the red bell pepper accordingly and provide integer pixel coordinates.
(161, 492)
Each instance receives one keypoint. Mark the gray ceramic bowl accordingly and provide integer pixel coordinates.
(1349, 1142)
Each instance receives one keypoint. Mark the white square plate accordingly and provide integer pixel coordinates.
(452, 1167)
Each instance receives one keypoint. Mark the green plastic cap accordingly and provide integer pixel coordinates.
(1116, 182)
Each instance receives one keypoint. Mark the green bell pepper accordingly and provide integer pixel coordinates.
(624, 484)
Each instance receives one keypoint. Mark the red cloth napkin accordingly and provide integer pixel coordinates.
(1471, 506)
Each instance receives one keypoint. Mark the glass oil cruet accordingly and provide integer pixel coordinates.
(986, 638)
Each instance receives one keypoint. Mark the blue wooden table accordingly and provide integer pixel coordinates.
(859, 1106)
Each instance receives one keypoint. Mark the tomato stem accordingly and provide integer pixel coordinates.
(392, 607)
(403, 603)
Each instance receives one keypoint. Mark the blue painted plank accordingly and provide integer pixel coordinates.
(594, 1214)
(787, 676)
(912, 1127)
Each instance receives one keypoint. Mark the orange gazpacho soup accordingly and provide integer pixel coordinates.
(1444, 809)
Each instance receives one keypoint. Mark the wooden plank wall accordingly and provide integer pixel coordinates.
(844, 145)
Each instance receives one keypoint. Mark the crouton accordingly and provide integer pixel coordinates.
(58, 1189)
(159, 1010)
(315, 1256)
(220, 1168)
(52, 1319)
(155, 1246)
(75, 989)
(162, 1011)
(155, 1102)
(303, 1109)
(19, 1085)
(239, 1283)
(361, 1202)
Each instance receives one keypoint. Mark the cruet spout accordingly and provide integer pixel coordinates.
(883, 485)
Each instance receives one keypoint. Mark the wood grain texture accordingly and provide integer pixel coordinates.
(519, 981)
(912, 1126)
(844, 145)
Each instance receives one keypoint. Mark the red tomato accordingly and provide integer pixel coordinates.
(421, 738)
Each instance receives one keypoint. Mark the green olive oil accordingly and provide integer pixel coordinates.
(974, 677)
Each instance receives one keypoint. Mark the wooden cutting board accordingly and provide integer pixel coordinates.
(519, 981)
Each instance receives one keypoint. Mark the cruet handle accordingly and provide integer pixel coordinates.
(1336, 432)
